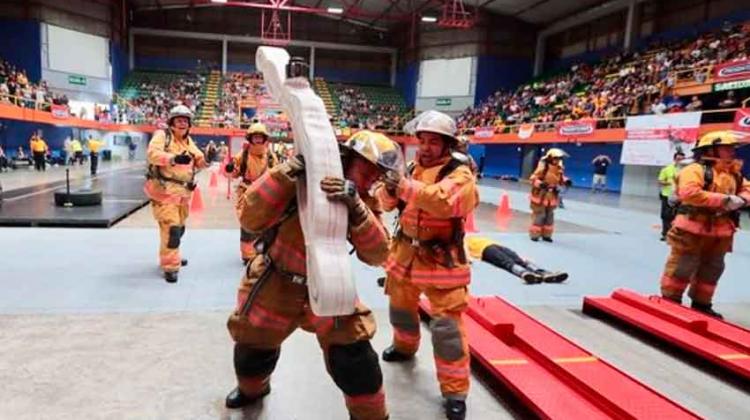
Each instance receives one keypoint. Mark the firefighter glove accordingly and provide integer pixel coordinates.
(345, 191)
(294, 166)
(734, 202)
(182, 159)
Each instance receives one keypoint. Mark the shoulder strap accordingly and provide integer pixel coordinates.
(708, 176)
(243, 161)
(449, 167)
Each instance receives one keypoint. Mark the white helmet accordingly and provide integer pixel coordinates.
(433, 122)
(180, 111)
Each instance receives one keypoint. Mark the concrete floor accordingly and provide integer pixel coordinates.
(89, 330)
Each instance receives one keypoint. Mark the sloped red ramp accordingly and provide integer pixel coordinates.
(718, 342)
(552, 376)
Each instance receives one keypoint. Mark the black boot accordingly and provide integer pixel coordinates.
(556, 277)
(183, 262)
(454, 409)
(707, 309)
(535, 239)
(546, 239)
(392, 355)
(529, 276)
(381, 281)
(170, 276)
(236, 399)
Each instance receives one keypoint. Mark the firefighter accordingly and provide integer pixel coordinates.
(173, 160)
(254, 159)
(546, 182)
(427, 254)
(710, 193)
(273, 295)
(491, 252)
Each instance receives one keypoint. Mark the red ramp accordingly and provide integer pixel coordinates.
(718, 342)
(552, 376)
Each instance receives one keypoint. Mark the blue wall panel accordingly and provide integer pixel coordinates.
(21, 44)
(501, 160)
(17, 133)
(495, 73)
(119, 60)
(579, 169)
(406, 82)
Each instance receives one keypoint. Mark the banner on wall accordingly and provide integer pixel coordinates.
(742, 120)
(525, 131)
(734, 70)
(484, 132)
(580, 128)
(60, 111)
(651, 140)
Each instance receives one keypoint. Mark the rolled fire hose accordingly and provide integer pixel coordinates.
(324, 223)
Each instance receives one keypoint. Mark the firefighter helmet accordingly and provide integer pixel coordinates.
(180, 111)
(432, 122)
(377, 149)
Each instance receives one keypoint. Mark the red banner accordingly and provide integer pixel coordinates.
(60, 111)
(733, 70)
(580, 128)
(742, 120)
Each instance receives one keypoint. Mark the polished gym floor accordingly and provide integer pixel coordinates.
(88, 329)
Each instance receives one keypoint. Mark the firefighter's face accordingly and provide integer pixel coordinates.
(725, 152)
(432, 147)
(180, 125)
(363, 174)
(257, 139)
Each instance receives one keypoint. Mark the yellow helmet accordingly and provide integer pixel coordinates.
(716, 138)
(555, 153)
(377, 149)
(256, 128)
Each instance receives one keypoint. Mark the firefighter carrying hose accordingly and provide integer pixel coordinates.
(273, 296)
(427, 254)
(173, 159)
(546, 182)
(252, 162)
(710, 193)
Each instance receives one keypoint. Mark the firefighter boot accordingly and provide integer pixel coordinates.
(530, 277)
(706, 308)
(183, 262)
(455, 409)
(236, 399)
(392, 355)
(170, 276)
(548, 276)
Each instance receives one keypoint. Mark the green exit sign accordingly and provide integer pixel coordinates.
(77, 80)
(443, 102)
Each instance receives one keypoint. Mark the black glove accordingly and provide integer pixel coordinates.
(182, 159)
(568, 183)
(543, 185)
(229, 168)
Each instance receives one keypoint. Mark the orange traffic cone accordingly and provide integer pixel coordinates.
(503, 209)
(214, 180)
(196, 203)
(469, 226)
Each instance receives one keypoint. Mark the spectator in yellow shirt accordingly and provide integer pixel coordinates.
(94, 147)
(38, 151)
(77, 149)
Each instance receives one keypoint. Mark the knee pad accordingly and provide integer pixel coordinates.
(249, 361)
(446, 339)
(175, 233)
(355, 369)
(246, 236)
(403, 320)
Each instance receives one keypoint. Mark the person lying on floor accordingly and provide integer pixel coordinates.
(491, 252)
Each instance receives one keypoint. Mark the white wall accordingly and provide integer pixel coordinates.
(436, 84)
(68, 53)
(641, 181)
